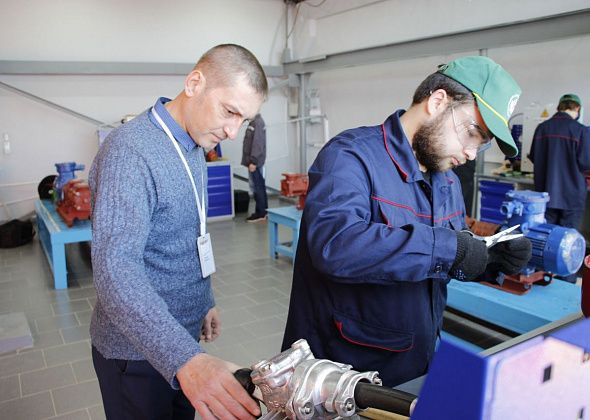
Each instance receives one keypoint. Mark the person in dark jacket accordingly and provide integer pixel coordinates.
(560, 152)
(380, 234)
(253, 157)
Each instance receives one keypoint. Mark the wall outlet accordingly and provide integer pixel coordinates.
(6, 144)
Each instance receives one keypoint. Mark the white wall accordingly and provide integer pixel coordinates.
(137, 30)
(343, 25)
(366, 95)
(180, 31)
(113, 31)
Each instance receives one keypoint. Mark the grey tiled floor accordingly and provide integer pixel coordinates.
(55, 379)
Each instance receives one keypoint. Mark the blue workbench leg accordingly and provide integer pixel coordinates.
(295, 241)
(60, 274)
(273, 236)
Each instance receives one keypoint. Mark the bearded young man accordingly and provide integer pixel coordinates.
(380, 234)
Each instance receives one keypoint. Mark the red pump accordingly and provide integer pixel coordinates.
(295, 185)
(76, 201)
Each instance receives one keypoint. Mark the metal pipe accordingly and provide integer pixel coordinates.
(479, 161)
(53, 105)
(302, 117)
(16, 184)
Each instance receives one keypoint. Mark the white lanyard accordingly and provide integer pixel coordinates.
(200, 204)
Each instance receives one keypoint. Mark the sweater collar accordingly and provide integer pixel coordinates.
(179, 134)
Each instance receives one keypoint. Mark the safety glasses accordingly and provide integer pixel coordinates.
(470, 134)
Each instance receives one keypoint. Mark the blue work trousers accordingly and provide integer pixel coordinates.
(258, 188)
(565, 218)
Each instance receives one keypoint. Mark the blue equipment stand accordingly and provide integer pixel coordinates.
(54, 234)
(545, 377)
(287, 216)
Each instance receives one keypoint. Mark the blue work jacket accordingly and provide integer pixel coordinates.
(561, 153)
(375, 247)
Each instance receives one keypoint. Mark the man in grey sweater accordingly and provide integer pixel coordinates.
(151, 254)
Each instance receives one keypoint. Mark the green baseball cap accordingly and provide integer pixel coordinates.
(571, 97)
(495, 91)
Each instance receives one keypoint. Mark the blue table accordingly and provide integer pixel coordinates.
(518, 313)
(287, 216)
(54, 234)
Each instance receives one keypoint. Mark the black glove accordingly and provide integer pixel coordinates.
(511, 256)
(471, 259)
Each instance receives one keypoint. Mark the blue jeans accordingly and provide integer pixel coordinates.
(258, 188)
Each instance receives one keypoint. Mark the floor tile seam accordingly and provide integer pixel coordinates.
(22, 397)
(64, 414)
(87, 409)
(85, 381)
(53, 404)
(251, 303)
(50, 389)
(62, 336)
(264, 287)
(57, 388)
(75, 326)
(236, 272)
(68, 302)
(43, 368)
(20, 386)
(78, 319)
(100, 406)
(259, 321)
(67, 344)
(59, 327)
(271, 288)
(17, 354)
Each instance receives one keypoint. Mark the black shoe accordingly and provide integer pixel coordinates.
(256, 218)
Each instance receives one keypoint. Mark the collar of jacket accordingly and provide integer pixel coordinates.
(398, 147)
(559, 115)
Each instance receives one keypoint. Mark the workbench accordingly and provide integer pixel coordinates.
(54, 234)
(519, 313)
(291, 218)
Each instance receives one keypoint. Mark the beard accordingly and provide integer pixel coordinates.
(428, 143)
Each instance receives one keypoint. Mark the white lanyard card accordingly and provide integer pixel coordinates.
(206, 255)
(204, 247)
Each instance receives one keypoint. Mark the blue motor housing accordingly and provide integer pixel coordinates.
(556, 249)
(524, 208)
(66, 172)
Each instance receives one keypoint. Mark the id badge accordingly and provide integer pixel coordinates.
(206, 255)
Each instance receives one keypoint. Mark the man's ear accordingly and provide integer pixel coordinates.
(437, 102)
(194, 83)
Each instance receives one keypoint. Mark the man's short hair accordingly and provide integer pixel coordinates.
(458, 93)
(567, 105)
(224, 63)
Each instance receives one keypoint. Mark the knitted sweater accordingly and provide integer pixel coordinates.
(152, 298)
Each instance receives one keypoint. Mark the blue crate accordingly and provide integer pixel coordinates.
(492, 195)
